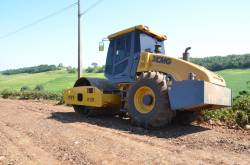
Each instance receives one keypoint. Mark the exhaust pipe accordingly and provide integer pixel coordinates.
(185, 55)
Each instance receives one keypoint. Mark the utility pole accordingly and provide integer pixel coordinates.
(79, 73)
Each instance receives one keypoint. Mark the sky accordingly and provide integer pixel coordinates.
(210, 27)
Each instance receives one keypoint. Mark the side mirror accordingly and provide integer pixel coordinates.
(101, 46)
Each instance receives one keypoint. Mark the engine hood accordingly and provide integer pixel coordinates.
(179, 69)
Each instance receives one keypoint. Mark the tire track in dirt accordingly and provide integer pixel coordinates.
(26, 150)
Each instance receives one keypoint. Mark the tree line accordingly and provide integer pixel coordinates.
(95, 68)
(214, 63)
(217, 63)
(33, 69)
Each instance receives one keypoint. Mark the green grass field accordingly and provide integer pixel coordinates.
(236, 79)
(56, 81)
(53, 81)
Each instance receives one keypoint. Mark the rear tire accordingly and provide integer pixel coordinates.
(186, 117)
(81, 109)
(146, 112)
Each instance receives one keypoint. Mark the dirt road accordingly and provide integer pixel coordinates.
(33, 132)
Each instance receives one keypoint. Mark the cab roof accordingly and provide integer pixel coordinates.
(142, 28)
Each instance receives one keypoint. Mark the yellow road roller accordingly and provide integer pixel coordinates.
(150, 87)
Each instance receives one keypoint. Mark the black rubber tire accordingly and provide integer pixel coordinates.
(161, 113)
(81, 110)
(186, 117)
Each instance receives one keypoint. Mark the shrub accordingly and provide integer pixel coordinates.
(71, 70)
(242, 108)
(89, 70)
(244, 92)
(32, 95)
(239, 114)
(60, 100)
(242, 103)
(8, 94)
(94, 68)
(225, 115)
(24, 88)
(60, 65)
(5, 94)
(40, 95)
(241, 118)
(39, 88)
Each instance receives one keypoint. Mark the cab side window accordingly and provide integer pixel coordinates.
(123, 45)
(120, 52)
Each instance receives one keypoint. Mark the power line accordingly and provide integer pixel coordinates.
(91, 7)
(38, 21)
(49, 16)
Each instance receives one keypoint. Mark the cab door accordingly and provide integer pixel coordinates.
(122, 59)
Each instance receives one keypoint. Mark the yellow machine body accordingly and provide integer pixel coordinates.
(92, 97)
(179, 69)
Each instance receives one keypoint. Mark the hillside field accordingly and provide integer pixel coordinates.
(236, 79)
(53, 81)
(56, 81)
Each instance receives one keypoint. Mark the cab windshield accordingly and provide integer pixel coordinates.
(151, 44)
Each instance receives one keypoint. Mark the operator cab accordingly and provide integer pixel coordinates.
(124, 52)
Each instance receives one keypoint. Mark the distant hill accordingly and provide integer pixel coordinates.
(217, 63)
(52, 81)
(33, 69)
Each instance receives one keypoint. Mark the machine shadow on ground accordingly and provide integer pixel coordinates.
(114, 122)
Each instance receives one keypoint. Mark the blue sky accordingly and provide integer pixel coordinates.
(210, 27)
